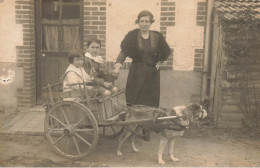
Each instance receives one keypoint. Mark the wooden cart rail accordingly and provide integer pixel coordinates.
(102, 108)
(52, 94)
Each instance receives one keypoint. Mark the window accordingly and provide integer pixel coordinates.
(60, 25)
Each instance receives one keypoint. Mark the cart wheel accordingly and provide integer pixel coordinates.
(111, 131)
(71, 129)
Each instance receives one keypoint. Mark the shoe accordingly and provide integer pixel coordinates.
(146, 135)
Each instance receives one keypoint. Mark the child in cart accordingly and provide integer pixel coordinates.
(95, 67)
(75, 74)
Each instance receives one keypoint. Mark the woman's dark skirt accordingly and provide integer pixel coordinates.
(143, 85)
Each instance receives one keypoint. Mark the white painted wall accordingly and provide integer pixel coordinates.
(185, 36)
(121, 16)
(11, 34)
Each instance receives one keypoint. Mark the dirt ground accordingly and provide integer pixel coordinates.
(200, 147)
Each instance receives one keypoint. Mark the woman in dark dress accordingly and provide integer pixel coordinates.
(147, 49)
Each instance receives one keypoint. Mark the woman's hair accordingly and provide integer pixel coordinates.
(144, 13)
(74, 53)
(90, 41)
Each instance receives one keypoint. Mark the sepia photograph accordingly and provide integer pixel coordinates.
(129, 83)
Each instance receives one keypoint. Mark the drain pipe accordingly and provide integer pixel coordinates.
(205, 72)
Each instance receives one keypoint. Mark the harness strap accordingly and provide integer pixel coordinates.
(182, 126)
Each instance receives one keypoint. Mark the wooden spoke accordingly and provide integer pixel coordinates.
(51, 131)
(84, 140)
(53, 143)
(58, 120)
(76, 144)
(64, 115)
(80, 120)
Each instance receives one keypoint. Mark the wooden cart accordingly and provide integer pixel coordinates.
(72, 128)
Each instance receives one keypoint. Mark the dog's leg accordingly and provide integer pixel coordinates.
(121, 140)
(132, 138)
(171, 146)
(162, 145)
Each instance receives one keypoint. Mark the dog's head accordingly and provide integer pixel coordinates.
(197, 111)
(190, 113)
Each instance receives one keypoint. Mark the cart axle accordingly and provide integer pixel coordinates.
(69, 131)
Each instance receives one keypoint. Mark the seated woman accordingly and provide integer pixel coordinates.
(93, 66)
(75, 74)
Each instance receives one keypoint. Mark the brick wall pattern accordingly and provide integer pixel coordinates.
(167, 20)
(201, 21)
(95, 25)
(26, 96)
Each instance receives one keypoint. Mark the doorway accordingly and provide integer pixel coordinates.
(58, 30)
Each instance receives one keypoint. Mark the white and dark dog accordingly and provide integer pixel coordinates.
(169, 129)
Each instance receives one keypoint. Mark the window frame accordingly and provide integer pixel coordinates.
(60, 25)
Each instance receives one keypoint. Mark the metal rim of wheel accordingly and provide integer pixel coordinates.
(71, 129)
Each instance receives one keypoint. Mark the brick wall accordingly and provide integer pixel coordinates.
(167, 15)
(95, 25)
(201, 21)
(95, 22)
(167, 20)
(26, 96)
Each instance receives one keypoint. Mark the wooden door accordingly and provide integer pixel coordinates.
(58, 30)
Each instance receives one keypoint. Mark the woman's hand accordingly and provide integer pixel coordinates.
(117, 67)
(158, 64)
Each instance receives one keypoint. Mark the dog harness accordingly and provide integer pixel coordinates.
(170, 124)
(158, 125)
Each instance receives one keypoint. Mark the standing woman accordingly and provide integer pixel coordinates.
(147, 49)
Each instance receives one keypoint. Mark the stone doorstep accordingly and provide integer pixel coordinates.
(30, 122)
(9, 124)
(37, 108)
(24, 120)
